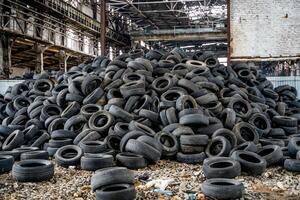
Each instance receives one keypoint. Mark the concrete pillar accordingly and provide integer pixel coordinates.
(103, 28)
(5, 55)
(63, 60)
(39, 64)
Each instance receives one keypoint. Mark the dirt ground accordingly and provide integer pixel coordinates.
(181, 181)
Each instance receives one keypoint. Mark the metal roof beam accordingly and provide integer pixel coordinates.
(193, 34)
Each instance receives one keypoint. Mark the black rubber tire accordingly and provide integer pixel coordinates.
(111, 175)
(55, 124)
(113, 141)
(186, 149)
(128, 136)
(75, 123)
(261, 123)
(298, 155)
(195, 158)
(246, 146)
(131, 160)
(228, 134)
(94, 96)
(285, 121)
(271, 153)
(97, 161)
(15, 154)
(294, 146)
(30, 132)
(169, 142)
(62, 134)
(33, 170)
(221, 167)
(5, 131)
(50, 110)
(251, 163)
(171, 115)
(209, 129)
(136, 126)
(241, 107)
(276, 132)
(90, 83)
(51, 151)
(194, 119)
(245, 132)
(206, 99)
(41, 139)
(194, 140)
(151, 141)
(290, 130)
(92, 146)
(213, 148)
(73, 159)
(57, 143)
(6, 163)
(230, 189)
(228, 118)
(35, 155)
(81, 135)
(72, 109)
(120, 113)
(116, 192)
(148, 114)
(184, 130)
(121, 128)
(14, 140)
(185, 102)
(89, 109)
(133, 88)
(104, 127)
(141, 148)
(292, 165)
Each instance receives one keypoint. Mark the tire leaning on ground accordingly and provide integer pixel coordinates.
(14, 140)
(35, 155)
(195, 158)
(141, 148)
(116, 192)
(292, 165)
(221, 167)
(251, 163)
(68, 155)
(96, 161)
(294, 146)
(131, 160)
(33, 170)
(218, 146)
(6, 163)
(111, 175)
(222, 188)
(271, 153)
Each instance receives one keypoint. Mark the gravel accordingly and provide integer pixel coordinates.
(274, 183)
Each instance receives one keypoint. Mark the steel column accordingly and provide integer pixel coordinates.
(5, 55)
(39, 64)
(103, 28)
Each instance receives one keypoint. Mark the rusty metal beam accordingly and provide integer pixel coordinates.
(103, 28)
(181, 35)
(259, 59)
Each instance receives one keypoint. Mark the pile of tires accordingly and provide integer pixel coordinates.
(140, 108)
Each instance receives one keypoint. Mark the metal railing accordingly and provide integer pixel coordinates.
(26, 22)
(286, 80)
(72, 13)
